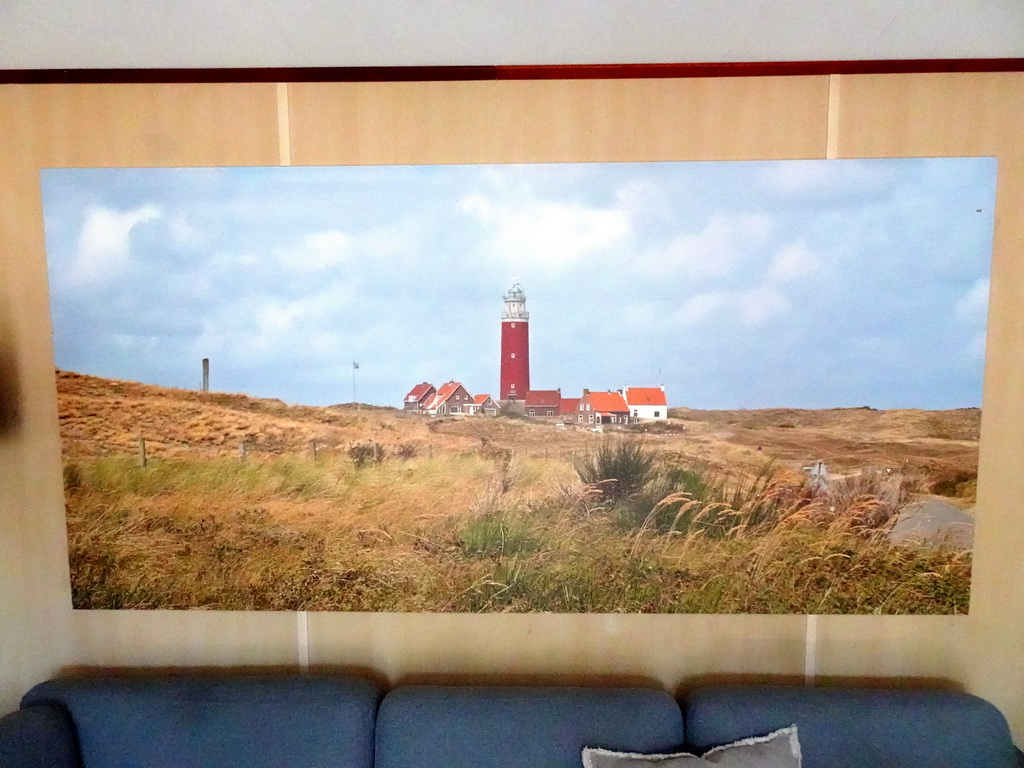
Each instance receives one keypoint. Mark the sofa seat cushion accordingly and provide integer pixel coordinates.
(189, 722)
(847, 727)
(520, 727)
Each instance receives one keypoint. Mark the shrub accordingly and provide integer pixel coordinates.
(367, 452)
(620, 469)
(702, 498)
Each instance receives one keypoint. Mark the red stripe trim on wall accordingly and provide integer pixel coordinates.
(514, 72)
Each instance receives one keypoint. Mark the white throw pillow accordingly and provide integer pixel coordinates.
(780, 749)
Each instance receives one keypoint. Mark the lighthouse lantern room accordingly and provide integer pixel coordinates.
(515, 345)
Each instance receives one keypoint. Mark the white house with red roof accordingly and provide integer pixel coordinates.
(419, 396)
(646, 403)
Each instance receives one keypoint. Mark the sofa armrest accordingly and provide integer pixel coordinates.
(40, 736)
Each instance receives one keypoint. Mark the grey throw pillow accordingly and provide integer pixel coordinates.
(780, 749)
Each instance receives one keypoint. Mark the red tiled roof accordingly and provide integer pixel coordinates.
(568, 405)
(419, 391)
(607, 402)
(447, 390)
(543, 397)
(645, 396)
(443, 393)
(481, 399)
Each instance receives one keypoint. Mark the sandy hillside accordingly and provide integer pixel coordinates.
(102, 416)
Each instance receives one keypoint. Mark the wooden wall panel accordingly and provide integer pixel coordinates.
(558, 120)
(102, 125)
(671, 651)
(169, 639)
(891, 650)
(522, 121)
(958, 115)
(142, 125)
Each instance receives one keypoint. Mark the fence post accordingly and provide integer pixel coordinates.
(242, 449)
(142, 452)
(312, 444)
(206, 374)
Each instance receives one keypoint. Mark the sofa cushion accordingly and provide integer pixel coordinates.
(520, 727)
(189, 722)
(41, 736)
(858, 728)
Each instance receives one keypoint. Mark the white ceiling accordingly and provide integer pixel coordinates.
(53, 34)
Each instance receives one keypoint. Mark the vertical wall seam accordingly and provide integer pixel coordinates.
(810, 650)
(302, 637)
(284, 136)
(832, 121)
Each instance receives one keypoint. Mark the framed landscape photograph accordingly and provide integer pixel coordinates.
(686, 387)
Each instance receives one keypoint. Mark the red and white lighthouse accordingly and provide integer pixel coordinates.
(515, 346)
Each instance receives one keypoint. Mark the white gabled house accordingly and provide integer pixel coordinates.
(646, 403)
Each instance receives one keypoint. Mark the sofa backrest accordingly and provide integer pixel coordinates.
(857, 728)
(190, 722)
(520, 727)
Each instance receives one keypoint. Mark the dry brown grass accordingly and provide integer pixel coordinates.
(487, 514)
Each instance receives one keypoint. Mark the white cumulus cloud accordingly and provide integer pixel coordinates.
(972, 307)
(752, 307)
(319, 251)
(104, 242)
(793, 262)
(719, 249)
(546, 234)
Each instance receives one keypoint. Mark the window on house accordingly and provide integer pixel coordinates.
(513, 355)
(657, 414)
(513, 325)
(591, 418)
(635, 413)
(532, 413)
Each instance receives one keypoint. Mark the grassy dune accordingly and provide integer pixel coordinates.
(465, 532)
(365, 509)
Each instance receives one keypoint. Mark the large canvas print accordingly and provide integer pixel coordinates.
(732, 387)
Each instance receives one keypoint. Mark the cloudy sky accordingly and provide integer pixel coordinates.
(740, 284)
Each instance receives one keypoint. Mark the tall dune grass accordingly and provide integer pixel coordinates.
(488, 531)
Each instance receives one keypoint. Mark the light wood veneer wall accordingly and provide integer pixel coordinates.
(513, 121)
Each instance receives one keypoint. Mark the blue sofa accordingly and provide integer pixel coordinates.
(347, 722)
